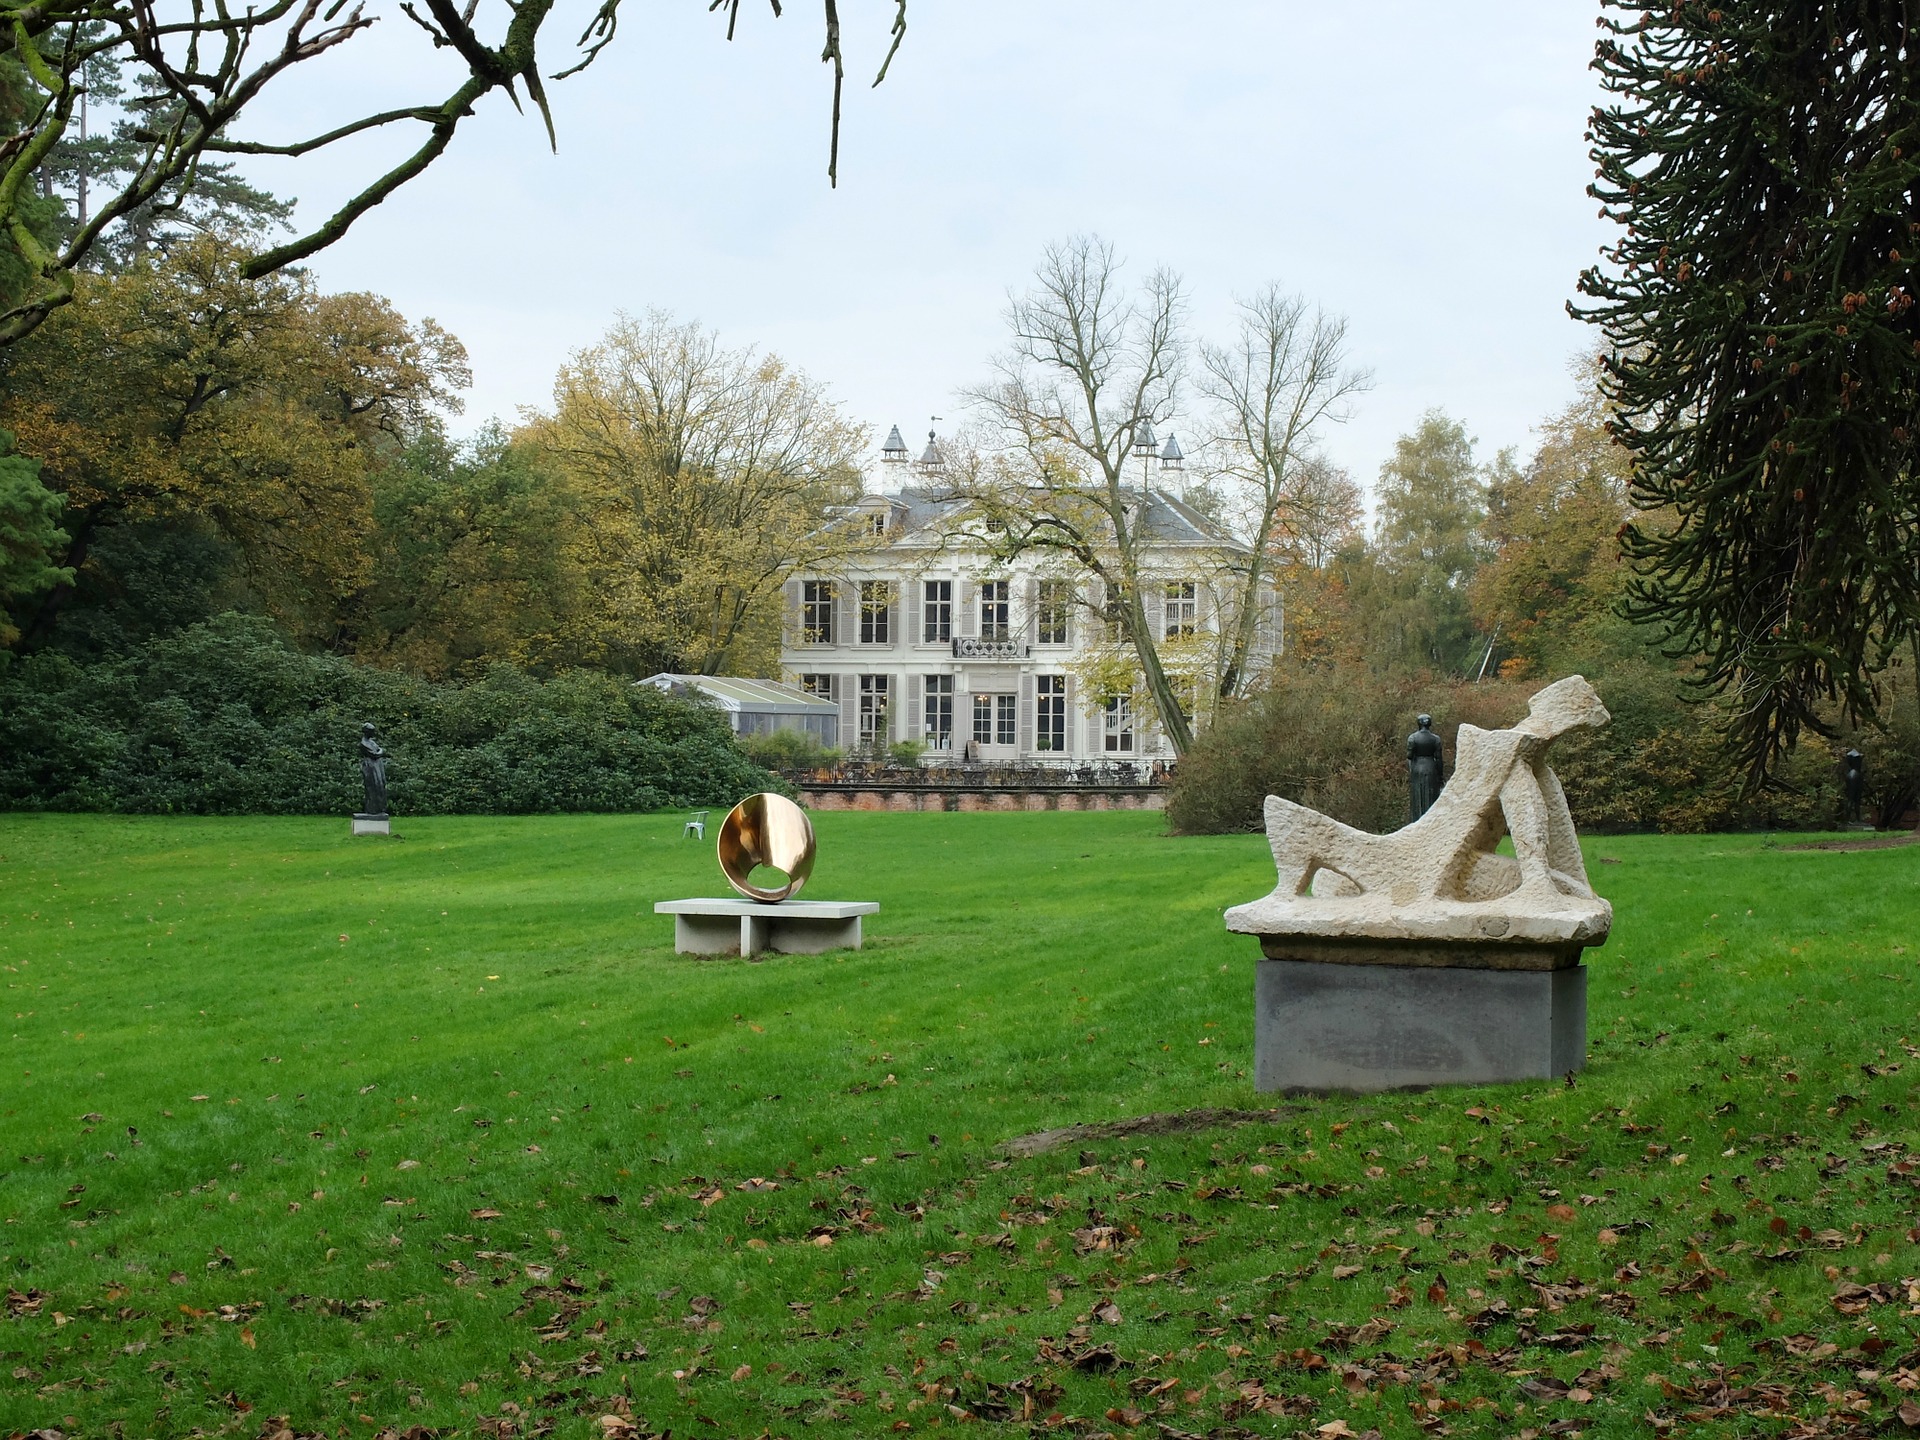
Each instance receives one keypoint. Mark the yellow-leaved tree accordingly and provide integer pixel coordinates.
(699, 478)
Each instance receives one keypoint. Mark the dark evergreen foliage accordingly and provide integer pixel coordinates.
(1762, 157)
(226, 718)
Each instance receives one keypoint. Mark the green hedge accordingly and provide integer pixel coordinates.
(225, 718)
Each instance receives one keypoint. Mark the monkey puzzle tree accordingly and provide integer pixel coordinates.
(1763, 160)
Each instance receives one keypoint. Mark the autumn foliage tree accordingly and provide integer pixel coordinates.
(186, 396)
(1553, 568)
(1763, 162)
(698, 478)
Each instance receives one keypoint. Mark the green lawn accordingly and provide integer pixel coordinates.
(438, 1132)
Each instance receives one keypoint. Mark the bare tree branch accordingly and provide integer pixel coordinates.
(199, 73)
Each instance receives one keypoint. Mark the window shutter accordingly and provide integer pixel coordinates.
(1025, 731)
(791, 591)
(915, 589)
(969, 617)
(895, 613)
(1030, 602)
(915, 730)
(846, 612)
(1097, 609)
(1150, 597)
(1073, 717)
(849, 712)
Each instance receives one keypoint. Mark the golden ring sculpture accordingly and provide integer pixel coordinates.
(766, 829)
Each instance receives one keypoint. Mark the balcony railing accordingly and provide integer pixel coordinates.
(967, 647)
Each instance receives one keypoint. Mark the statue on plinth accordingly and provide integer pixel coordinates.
(1424, 777)
(1426, 957)
(373, 771)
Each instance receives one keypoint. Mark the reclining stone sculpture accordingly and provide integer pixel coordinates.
(1440, 878)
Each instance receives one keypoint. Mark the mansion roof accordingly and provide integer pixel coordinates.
(1163, 519)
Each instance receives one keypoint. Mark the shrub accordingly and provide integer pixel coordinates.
(788, 750)
(1333, 738)
(226, 718)
(1329, 737)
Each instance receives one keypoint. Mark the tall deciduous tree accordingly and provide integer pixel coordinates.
(700, 479)
(1092, 367)
(475, 560)
(1552, 531)
(1284, 377)
(183, 394)
(1413, 585)
(1763, 161)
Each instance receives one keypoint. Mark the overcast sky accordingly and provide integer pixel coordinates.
(1413, 165)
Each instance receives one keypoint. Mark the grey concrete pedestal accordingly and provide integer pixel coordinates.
(1360, 1023)
(746, 927)
(371, 825)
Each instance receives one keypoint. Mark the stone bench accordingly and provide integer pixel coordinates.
(746, 927)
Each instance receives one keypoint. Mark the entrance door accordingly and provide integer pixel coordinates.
(996, 728)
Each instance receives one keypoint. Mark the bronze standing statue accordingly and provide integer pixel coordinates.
(373, 772)
(1855, 783)
(1423, 769)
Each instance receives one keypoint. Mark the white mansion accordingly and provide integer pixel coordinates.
(926, 636)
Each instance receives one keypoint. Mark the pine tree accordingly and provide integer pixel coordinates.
(1762, 158)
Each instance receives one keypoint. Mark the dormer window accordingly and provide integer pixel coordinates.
(877, 522)
(994, 525)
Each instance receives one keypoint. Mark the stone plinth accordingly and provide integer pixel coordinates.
(371, 825)
(747, 927)
(1369, 1016)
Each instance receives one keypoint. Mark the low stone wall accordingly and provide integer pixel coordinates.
(947, 797)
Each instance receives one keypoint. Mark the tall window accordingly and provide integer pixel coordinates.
(875, 690)
(1119, 726)
(1050, 713)
(876, 612)
(995, 720)
(939, 711)
(936, 615)
(993, 610)
(816, 612)
(1182, 609)
(1055, 600)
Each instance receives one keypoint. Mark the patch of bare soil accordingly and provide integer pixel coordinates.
(1865, 842)
(1169, 1123)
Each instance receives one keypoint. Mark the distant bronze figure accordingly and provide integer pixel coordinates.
(1423, 769)
(766, 830)
(1856, 782)
(373, 771)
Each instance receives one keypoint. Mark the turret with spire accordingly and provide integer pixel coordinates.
(931, 461)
